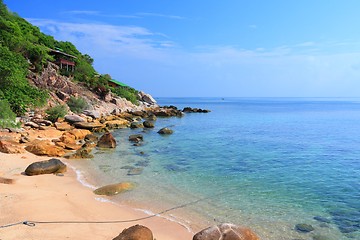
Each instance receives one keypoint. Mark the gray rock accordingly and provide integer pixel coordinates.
(92, 113)
(32, 124)
(74, 118)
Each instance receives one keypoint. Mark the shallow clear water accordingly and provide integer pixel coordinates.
(265, 163)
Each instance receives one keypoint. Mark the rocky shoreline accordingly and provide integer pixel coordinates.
(75, 136)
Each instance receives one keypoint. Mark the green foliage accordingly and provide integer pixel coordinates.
(77, 105)
(128, 93)
(7, 117)
(56, 112)
(13, 83)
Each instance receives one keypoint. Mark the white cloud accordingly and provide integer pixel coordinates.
(147, 60)
(148, 14)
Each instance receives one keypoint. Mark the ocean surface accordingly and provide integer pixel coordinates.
(265, 163)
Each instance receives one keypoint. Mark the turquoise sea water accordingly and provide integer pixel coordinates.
(266, 163)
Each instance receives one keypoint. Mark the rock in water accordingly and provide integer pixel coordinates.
(136, 138)
(149, 124)
(304, 228)
(165, 131)
(113, 189)
(226, 231)
(107, 141)
(136, 232)
(46, 167)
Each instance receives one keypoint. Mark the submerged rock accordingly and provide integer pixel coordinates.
(136, 125)
(135, 171)
(226, 231)
(136, 232)
(304, 228)
(46, 167)
(113, 189)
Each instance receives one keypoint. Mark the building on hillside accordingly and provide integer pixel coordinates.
(63, 60)
(114, 83)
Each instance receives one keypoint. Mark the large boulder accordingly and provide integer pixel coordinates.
(113, 189)
(46, 167)
(165, 131)
(136, 232)
(74, 118)
(92, 113)
(226, 231)
(10, 146)
(45, 148)
(107, 141)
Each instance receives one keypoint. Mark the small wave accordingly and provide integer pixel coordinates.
(80, 177)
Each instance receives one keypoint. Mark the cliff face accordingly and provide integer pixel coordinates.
(61, 88)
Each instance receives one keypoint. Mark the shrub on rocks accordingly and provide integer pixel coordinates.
(56, 112)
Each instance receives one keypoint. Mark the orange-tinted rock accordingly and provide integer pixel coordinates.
(107, 141)
(136, 232)
(45, 148)
(63, 126)
(114, 124)
(67, 138)
(114, 189)
(226, 231)
(79, 133)
(12, 147)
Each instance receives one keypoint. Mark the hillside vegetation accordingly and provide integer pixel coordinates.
(24, 48)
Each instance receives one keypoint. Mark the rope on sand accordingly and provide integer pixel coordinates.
(33, 223)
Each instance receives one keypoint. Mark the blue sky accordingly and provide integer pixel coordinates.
(212, 48)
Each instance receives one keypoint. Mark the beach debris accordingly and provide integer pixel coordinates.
(226, 231)
(107, 141)
(148, 124)
(137, 232)
(114, 189)
(165, 130)
(11, 147)
(136, 138)
(44, 148)
(304, 228)
(46, 167)
(6, 180)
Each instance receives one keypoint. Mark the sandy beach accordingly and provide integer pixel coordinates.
(62, 198)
